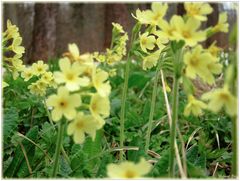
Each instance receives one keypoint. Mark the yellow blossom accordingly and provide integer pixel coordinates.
(100, 82)
(213, 49)
(39, 68)
(222, 25)
(27, 74)
(99, 106)
(196, 62)
(194, 106)
(118, 27)
(151, 60)
(147, 41)
(80, 125)
(12, 30)
(74, 54)
(112, 72)
(47, 77)
(16, 46)
(198, 10)
(159, 10)
(167, 29)
(188, 31)
(128, 169)
(219, 98)
(144, 17)
(64, 104)
(70, 75)
(4, 84)
(42, 85)
(35, 89)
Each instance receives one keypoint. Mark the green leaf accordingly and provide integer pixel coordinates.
(138, 79)
(18, 158)
(161, 167)
(10, 122)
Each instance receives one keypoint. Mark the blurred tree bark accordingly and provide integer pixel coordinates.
(44, 32)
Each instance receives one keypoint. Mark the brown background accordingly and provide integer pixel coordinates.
(47, 28)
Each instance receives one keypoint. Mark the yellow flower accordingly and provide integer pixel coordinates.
(167, 29)
(99, 105)
(70, 75)
(35, 89)
(80, 125)
(198, 10)
(213, 49)
(168, 89)
(147, 42)
(74, 54)
(222, 25)
(12, 30)
(196, 62)
(144, 17)
(188, 31)
(16, 46)
(63, 104)
(4, 84)
(159, 10)
(47, 77)
(27, 74)
(100, 82)
(152, 17)
(118, 27)
(151, 60)
(161, 41)
(128, 170)
(99, 57)
(112, 72)
(194, 106)
(39, 68)
(74, 51)
(42, 85)
(220, 98)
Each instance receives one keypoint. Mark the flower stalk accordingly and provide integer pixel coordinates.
(152, 108)
(58, 148)
(125, 88)
(177, 75)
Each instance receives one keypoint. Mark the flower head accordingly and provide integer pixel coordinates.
(151, 60)
(39, 68)
(220, 98)
(70, 75)
(80, 125)
(129, 170)
(100, 82)
(63, 103)
(16, 46)
(147, 42)
(152, 17)
(188, 31)
(99, 105)
(194, 106)
(222, 25)
(27, 73)
(198, 10)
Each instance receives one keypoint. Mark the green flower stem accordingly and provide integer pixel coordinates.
(234, 148)
(152, 108)
(173, 127)
(123, 105)
(58, 147)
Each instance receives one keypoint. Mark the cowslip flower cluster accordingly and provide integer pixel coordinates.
(39, 77)
(197, 61)
(129, 170)
(12, 50)
(117, 49)
(80, 77)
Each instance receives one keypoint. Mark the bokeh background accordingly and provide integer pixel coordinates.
(47, 28)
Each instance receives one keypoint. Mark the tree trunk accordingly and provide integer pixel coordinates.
(44, 32)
